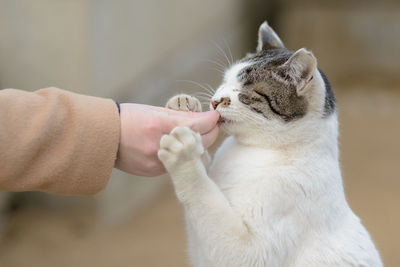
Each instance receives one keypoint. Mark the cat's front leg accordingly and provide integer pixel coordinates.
(208, 211)
(181, 153)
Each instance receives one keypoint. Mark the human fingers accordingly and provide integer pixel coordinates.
(187, 114)
(202, 122)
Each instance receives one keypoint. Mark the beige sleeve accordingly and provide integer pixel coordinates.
(56, 141)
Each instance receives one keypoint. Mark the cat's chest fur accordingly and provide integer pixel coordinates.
(235, 164)
(248, 176)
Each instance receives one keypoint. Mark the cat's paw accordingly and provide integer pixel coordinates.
(181, 146)
(184, 102)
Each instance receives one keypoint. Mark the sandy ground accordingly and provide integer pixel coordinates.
(370, 144)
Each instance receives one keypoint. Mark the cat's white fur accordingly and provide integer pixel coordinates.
(273, 195)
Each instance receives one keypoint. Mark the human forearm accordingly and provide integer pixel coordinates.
(56, 141)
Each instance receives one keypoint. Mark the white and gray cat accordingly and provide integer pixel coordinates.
(273, 196)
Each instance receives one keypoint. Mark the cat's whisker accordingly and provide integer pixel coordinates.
(220, 61)
(203, 94)
(204, 98)
(208, 92)
(229, 50)
(223, 53)
(198, 84)
(218, 70)
(219, 64)
(210, 87)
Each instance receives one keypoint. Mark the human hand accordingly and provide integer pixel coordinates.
(142, 127)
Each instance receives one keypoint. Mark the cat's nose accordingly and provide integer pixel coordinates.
(224, 101)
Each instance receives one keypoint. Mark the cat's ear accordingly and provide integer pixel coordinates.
(267, 38)
(301, 66)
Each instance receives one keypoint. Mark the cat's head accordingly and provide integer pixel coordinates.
(274, 94)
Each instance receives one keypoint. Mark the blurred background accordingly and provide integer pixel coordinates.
(142, 51)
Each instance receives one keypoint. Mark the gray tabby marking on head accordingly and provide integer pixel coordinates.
(276, 79)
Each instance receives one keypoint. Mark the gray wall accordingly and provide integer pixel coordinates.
(97, 47)
(44, 43)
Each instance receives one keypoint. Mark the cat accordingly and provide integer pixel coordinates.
(273, 195)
